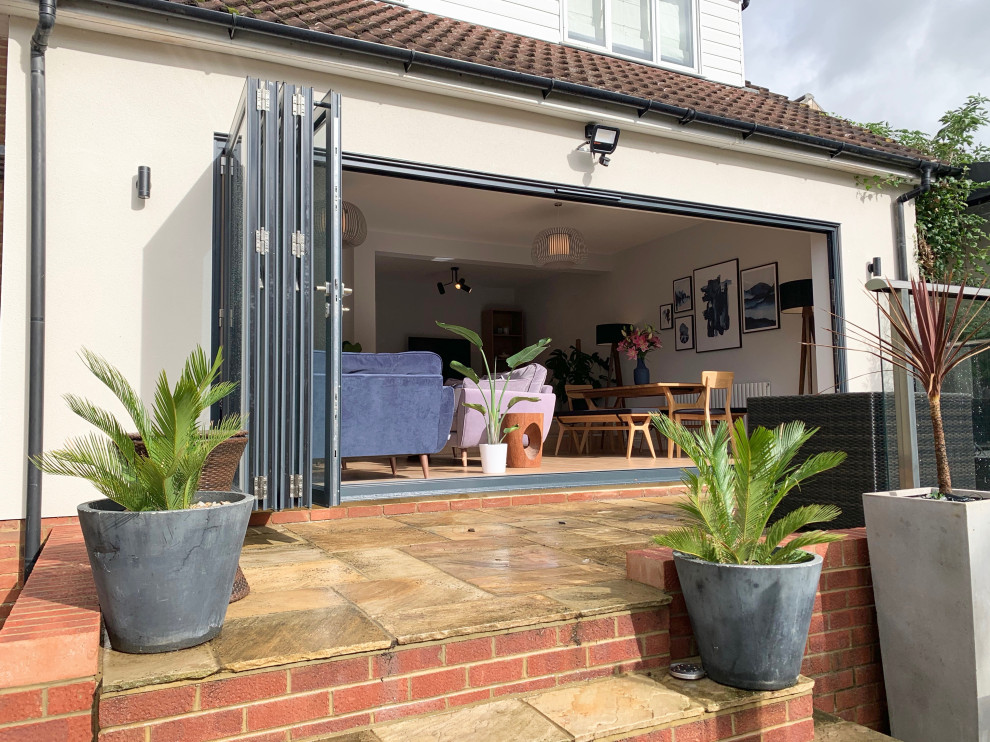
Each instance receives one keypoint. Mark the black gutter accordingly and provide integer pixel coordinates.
(36, 353)
(900, 224)
(546, 85)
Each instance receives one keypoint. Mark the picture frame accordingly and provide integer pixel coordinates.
(683, 297)
(666, 316)
(760, 295)
(716, 307)
(684, 332)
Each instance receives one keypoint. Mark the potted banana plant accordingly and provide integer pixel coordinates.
(749, 590)
(163, 553)
(494, 450)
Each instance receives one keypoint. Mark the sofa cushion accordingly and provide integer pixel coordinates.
(412, 363)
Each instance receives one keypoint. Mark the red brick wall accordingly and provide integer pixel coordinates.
(843, 650)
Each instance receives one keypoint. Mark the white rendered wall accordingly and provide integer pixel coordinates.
(131, 280)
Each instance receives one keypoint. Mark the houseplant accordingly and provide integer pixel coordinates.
(749, 593)
(928, 549)
(163, 554)
(576, 367)
(493, 452)
(636, 343)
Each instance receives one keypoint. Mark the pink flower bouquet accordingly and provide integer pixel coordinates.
(637, 342)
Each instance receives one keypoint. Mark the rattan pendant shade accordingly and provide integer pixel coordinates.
(353, 225)
(559, 246)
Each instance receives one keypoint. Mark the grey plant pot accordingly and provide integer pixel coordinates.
(930, 561)
(750, 621)
(164, 577)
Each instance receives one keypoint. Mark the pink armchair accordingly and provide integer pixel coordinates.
(469, 425)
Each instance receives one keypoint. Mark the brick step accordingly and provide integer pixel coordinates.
(830, 728)
(146, 695)
(637, 708)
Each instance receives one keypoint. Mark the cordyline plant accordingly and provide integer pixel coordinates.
(732, 499)
(166, 475)
(928, 343)
(491, 409)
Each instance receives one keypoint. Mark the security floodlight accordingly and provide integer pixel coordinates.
(602, 140)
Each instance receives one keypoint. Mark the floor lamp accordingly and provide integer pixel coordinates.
(611, 335)
(797, 297)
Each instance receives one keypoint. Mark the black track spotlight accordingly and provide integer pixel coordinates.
(456, 281)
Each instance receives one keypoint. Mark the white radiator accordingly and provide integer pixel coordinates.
(740, 393)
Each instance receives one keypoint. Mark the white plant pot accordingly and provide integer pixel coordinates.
(931, 582)
(493, 457)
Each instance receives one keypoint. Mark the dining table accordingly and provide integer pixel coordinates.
(666, 389)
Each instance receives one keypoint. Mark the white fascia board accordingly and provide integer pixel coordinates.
(140, 24)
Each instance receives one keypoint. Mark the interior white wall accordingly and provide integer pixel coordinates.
(412, 308)
(568, 307)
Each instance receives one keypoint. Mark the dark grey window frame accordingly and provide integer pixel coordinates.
(352, 162)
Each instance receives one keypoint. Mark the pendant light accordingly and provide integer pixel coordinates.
(353, 225)
(559, 246)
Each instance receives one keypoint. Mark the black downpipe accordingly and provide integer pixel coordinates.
(36, 356)
(901, 226)
(546, 85)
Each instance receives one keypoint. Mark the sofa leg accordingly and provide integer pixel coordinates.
(463, 457)
(424, 461)
(391, 460)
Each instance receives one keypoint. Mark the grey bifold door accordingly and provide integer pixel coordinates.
(272, 307)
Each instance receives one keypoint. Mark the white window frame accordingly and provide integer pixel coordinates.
(693, 68)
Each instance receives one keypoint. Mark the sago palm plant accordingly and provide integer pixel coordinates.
(731, 499)
(166, 476)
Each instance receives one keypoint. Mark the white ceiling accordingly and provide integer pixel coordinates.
(471, 215)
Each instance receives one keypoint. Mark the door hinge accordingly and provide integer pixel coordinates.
(220, 318)
(261, 487)
(261, 241)
(264, 99)
(298, 244)
(298, 104)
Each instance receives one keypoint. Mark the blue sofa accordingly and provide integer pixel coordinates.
(391, 404)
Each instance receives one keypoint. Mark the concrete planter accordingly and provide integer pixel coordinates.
(930, 561)
(750, 621)
(164, 577)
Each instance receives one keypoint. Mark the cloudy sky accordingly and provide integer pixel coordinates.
(903, 61)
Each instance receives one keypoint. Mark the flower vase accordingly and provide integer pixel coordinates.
(641, 374)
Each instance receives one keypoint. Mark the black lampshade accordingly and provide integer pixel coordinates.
(796, 295)
(608, 334)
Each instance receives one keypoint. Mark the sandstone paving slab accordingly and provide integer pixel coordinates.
(716, 697)
(500, 721)
(473, 617)
(322, 573)
(829, 728)
(481, 562)
(365, 735)
(459, 546)
(295, 636)
(611, 555)
(277, 557)
(613, 706)
(595, 535)
(475, 531)
(517, 582)
(609, 597)
(448, 518)
(360, 533)
(282, 601)
(270, 537)
(385, 563)
(123, 671)
(560, 523)
(382, 597)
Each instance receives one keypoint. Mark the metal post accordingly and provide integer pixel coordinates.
(905, 412)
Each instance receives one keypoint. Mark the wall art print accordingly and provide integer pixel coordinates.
(684, 332)
(682, 295)
(666, 316)
(716, 307)
(761, 305)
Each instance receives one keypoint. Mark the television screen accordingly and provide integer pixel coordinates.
(449, 349)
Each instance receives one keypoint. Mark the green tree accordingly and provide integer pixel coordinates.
(950, 238)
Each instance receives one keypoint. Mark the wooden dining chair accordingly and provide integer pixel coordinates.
(583, 417)
(701, 413)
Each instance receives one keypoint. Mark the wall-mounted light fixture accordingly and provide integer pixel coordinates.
(144, 181)
(873, 267)
(456, 281)
(602, 140)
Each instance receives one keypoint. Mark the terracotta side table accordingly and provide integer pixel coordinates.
(518, 455)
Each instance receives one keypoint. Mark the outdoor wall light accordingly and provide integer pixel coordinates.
(873, 267)
(602, 140)
(456, 281)
(144, 181)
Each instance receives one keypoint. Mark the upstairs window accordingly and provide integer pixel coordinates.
(649, 30)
